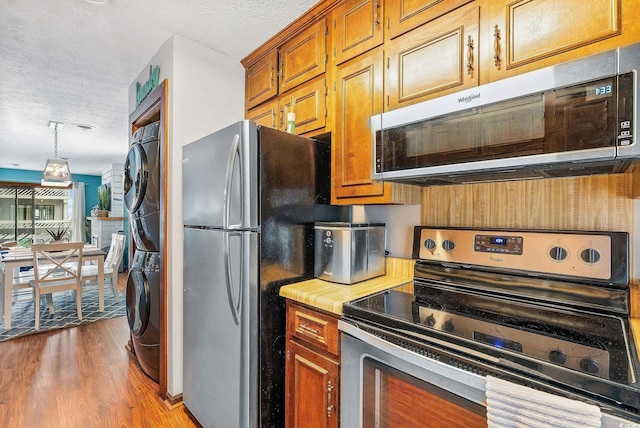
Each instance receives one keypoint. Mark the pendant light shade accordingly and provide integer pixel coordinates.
(56, 171)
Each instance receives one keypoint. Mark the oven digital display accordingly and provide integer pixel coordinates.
(498, 240)
(505, 244)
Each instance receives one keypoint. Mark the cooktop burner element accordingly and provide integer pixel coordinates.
(553, 306)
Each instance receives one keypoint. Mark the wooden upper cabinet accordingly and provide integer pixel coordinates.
(261, 80)
(265, 114)
(529, 34)
(439, 56)
(357, 28)
(304, 56)
(308, 102)
(405, 15)
(358, 96)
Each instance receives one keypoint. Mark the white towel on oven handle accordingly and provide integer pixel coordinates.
(514, 406)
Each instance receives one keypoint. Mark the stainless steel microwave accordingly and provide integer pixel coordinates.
(575, 118)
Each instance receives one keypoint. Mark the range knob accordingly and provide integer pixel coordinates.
(590, 255)
(430, 321)
(448, 326)
(429, 244)
(558, 253)
(589, 365)
(558, 357)
(448, 245)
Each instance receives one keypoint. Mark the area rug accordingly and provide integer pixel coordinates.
(64, 303)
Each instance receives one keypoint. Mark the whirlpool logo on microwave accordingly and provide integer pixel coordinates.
(468, 98)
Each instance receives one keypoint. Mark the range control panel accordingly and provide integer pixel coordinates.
(594, 255)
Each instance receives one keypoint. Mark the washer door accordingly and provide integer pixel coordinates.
(138, 302)
(136, 175)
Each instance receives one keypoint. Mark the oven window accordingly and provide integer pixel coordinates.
(392, 398)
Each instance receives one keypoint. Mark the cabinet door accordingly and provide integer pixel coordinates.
(261, 80)
(358, 96)
(435, 58)
(357, 27)
(265, 114)
(312, 389)
(405, 15)
(308, 102)
(530, 34)
(304, 56)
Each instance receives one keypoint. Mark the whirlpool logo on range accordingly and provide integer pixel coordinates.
(496, 259)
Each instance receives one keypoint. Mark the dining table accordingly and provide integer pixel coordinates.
(21, 257)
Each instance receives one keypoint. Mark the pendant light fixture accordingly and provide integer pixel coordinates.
(56, 171)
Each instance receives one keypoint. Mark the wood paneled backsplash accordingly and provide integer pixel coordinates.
(599, 202)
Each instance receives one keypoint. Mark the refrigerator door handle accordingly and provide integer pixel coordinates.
(233, 154)
(235, 305)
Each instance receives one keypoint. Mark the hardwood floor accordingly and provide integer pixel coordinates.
(80, 377)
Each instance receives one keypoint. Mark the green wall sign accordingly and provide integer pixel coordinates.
(143, 90)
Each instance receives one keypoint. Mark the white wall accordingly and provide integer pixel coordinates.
(399, 221)
(206, 93)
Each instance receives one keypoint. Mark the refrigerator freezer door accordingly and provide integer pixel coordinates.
(217, 178)
(219, 274)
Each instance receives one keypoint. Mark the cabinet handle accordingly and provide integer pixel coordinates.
(496, 46)
(305, 327)
(329, 404)
(281, 74)
(469, 55)
(281, 118)
(377, 17)
(271, 74)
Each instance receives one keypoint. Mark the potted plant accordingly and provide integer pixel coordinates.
(104, 200)
(59, 233)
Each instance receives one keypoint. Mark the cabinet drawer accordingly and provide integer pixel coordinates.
(314, 328)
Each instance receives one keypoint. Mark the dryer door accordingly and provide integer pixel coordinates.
(138, 302)
(136, 175)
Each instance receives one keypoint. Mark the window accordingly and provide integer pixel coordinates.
(27, 212)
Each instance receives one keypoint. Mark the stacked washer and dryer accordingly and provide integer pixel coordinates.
(142, 199)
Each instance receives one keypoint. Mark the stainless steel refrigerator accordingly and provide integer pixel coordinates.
(250, 198)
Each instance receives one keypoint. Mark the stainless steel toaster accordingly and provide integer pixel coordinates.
(349, 252)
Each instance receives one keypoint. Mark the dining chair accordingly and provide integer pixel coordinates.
(56, 267)
(111, 264)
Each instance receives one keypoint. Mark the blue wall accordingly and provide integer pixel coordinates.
(91, 183)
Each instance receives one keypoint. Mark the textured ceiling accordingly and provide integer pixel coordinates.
(72, 61)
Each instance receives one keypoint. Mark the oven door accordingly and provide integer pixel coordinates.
(384, 385)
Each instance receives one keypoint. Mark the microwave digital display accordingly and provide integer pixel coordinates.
(600, 89)
(603, 90)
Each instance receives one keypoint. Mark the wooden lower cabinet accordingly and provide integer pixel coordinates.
(312, 369)
(312, 388)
